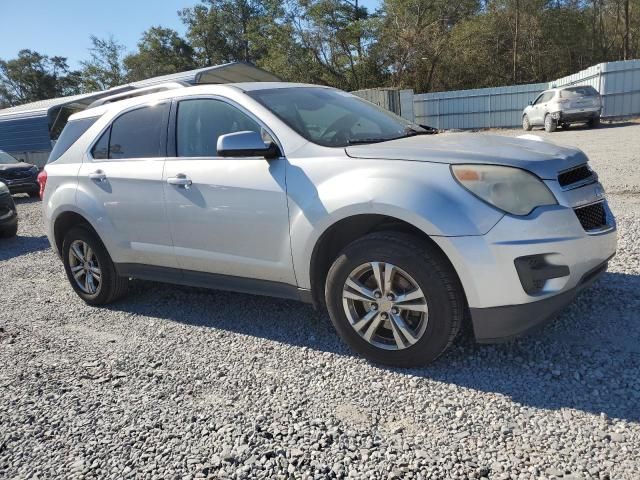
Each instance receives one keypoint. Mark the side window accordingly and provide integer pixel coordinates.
(539, 99)
(100, 150)
(138, 133)
(201, 121)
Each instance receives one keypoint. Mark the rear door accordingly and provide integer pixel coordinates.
(123, 175)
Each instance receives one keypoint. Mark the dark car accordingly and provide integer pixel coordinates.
(8, 213)
(19, 176)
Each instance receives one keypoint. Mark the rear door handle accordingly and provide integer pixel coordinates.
(98, 176)
(180, 180)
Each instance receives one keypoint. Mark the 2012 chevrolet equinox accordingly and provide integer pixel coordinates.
(311, 193)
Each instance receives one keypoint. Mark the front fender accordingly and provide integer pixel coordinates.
(420, 193)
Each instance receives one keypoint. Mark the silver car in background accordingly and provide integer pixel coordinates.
(562, 107)
(311, 193)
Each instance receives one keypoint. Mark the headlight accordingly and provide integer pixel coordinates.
(3, 188)
(510, 189)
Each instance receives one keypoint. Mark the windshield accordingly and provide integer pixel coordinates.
(334, 118)
(5, 158)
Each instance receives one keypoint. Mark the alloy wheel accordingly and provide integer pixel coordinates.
(85, 267)
(385, 305)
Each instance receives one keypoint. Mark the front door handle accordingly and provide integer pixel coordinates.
(180, 180)
(98, 176)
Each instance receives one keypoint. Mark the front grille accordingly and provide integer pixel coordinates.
(575, 175)
(592, 217)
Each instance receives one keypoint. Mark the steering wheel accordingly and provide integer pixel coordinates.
(343, 123)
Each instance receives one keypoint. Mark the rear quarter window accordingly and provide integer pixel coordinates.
(72, 131)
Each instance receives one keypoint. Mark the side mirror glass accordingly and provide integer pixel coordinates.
(246, 144)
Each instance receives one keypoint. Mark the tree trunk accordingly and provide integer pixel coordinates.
(515, 43)
(626, 54)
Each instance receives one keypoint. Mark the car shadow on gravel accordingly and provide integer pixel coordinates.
(587, 359)
(21, 245)
(24, 199)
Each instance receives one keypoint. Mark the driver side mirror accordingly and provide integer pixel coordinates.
(530, 102)
(246, 144)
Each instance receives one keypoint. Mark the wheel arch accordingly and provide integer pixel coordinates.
(64, 222)
(344, 231)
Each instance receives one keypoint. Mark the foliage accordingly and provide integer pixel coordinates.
(427, 45)
(32, 76)
(104, 69)
(161, 51)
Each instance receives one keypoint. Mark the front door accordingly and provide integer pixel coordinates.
(228, 216)
(124, 176)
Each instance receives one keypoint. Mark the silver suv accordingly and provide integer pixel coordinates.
(563, 106)
(311, 193)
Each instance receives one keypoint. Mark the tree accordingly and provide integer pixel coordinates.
(224, 31)
(33, 76)
(161, 51)
(105, 68)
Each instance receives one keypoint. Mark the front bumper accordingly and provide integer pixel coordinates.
(502, 304)
(27, 186)
(499, 324)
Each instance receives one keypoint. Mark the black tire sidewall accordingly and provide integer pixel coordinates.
(105, 290)
(425, 269)
(553, 124)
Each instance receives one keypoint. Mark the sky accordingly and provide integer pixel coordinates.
(63, 27)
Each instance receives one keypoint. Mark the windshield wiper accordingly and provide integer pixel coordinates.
(361, 141)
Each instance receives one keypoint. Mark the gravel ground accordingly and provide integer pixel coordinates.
(175, 382)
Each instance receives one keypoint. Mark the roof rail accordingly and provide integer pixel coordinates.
(138, 92)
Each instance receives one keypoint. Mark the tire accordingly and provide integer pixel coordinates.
(34, 194)
(566, 126)
(594, 122)
(9, 232)
(526, 124)
(550, 124)
(431, 272)
(110, 286)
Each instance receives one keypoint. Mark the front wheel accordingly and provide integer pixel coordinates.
(526, 123)
(89, 268)
(395, 299)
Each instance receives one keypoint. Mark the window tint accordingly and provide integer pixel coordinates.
(577, 92)
(333, 118)
(201, 121)
(100, 150)
(70, 134)
(138, 133)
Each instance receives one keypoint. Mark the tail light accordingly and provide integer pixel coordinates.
(42, 181)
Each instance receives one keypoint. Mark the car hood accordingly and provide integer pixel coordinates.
(15, 166)
(542, 158)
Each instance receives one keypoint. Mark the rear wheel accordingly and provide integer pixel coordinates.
(395, 299)
(594, 122)
(526, 123)
(89, 268)
(550, 124)
(34, 193)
